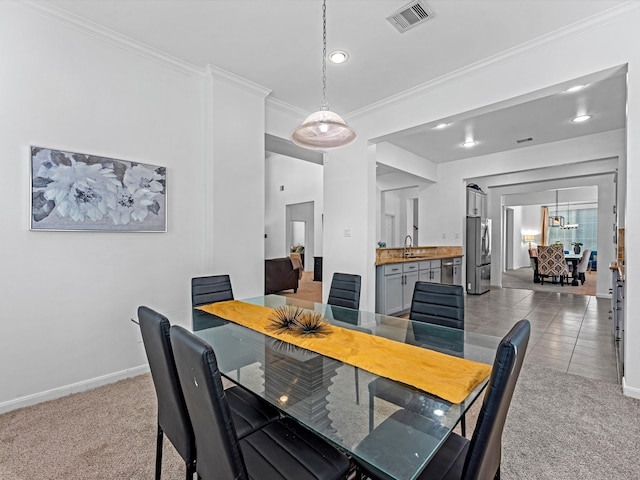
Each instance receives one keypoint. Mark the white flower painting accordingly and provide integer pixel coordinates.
(74, 191)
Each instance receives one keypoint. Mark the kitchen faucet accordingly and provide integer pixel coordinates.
(407, 249)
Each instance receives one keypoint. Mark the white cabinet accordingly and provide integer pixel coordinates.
(395, 284)
(618, 317)
(410, 274)
(393, 295)
(476, 203)
(431, 271)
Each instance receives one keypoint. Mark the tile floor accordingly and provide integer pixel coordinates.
(571, 333)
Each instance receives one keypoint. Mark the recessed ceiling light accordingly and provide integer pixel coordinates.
(582, 118)
(442, 125)
(469, 143)
(339, 56)
(575, 88)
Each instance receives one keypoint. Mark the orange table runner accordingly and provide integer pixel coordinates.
(446, 376)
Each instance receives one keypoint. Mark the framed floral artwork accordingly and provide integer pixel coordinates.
(76, 191)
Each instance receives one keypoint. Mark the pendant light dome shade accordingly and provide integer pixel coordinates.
(323, 130)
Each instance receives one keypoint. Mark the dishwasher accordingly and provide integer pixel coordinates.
(447, 271)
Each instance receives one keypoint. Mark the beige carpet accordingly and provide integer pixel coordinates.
(560, 426)
(307, 289)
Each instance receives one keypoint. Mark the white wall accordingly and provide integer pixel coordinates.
(302, 182)
(349, 237)
(236, 171)
(67, 297)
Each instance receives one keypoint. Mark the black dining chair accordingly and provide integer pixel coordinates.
(206, 290)
(213, 289)
(281, 450)
(459, 458)
(248, 411)
(434, 305)
(345, 292)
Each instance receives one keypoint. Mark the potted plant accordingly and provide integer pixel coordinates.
(576, 247)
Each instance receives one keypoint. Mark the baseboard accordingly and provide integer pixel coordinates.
(59, 392)
(630, 391)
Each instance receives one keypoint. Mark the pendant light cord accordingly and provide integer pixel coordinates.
(325, 104)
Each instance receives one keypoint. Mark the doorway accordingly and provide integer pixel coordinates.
(300, 231)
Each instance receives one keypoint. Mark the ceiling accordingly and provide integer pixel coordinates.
(278, 44)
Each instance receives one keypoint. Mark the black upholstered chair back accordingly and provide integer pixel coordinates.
(485, 450)
(212, 289)
(173, 417)
(204, 394)
(438, 304)
(345, 290)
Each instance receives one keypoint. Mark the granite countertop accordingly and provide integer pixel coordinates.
(616, 266)
(387, 256)
(389, 261)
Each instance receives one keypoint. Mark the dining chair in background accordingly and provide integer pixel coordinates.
(249, 412)
(206, 290)
(583, 265)
(345, 292)
(459, 458)
(434, 305)
(281, 450)
(213, 289)
(552, 263)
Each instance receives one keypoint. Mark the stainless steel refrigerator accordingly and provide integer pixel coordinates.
(478, 255)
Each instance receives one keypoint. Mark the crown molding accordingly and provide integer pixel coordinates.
(218, 73)
(614, 14)
(285, 107)
(106, 35)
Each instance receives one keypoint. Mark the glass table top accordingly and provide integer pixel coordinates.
(389, 428)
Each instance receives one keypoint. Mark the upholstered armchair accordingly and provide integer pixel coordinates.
(551, 263)
(583, 265)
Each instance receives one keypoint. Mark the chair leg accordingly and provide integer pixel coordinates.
(159, 452)
(370, 413)
(357, 386)
(463, 425)
(191, 469)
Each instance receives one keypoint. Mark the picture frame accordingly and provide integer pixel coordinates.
(82, 192)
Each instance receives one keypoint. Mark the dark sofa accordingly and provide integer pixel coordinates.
(279, 275)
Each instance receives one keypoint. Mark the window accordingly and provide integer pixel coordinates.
(587, 231)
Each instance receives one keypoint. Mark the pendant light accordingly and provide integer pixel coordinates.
(324, 129)
(557, 220)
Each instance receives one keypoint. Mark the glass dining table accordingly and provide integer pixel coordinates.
(320, 392)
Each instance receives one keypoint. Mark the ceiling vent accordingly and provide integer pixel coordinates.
(524, 140)
(410, 15)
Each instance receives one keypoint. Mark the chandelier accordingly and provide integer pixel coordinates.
(556, 220)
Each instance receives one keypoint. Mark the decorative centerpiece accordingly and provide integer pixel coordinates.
(576, 247)
(312, 323)
(292, 319)
(284, 318)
